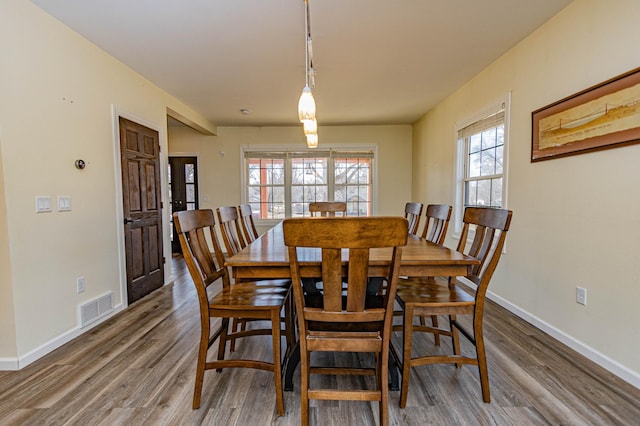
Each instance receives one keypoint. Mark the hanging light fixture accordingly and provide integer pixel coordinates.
(306, 104)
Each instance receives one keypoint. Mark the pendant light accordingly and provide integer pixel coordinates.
(306, 104)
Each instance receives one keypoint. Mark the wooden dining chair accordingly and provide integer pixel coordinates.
(249, 231)
(435, 230)
(230, 229)
(322, 208)
(344, 318)
(264, 299)
(417, 297)
(413, 211)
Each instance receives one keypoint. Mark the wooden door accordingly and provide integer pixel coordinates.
(183, 190)
(142, 205)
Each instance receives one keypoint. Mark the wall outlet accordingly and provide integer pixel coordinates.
(581, 295)
(80, 284)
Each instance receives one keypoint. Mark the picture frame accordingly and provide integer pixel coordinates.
(603, 116)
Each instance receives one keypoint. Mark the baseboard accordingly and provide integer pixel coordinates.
(602, 360)
(55, 343)
(8, 364)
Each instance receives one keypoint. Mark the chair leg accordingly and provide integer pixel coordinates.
(455, 338)
(434, 324)
(222, 343)
(304, 386)
(205, 330)
(234, 328)
(277, 360)
(482, 361)
(383, 362)
(407, 334)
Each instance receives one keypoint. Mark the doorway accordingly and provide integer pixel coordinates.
(183, 191)
(142, 208)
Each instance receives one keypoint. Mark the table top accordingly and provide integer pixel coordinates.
(267, 257)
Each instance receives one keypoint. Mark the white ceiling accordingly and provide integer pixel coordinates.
(377, 61)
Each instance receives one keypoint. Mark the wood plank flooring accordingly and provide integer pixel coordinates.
(138, 368)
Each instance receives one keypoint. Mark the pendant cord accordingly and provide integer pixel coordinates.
(307, 40)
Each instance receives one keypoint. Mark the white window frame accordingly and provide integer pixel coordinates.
(299, 149)
(461, 153)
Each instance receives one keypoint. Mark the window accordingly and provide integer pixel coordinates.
(481, 171)
(282, 184)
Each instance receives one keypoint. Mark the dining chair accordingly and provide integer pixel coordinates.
(486, 230)
(264, 299)
(344, 318)
(325, 208)
(413, 211)
(249, 231)
(230, 229)
(435, 230)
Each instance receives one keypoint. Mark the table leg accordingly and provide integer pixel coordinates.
(394, 378)
(290, 367)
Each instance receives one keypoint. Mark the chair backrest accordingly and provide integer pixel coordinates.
(325, 208)
(491, 226)
(413, 211)
(249, 230)
(205, 266)
(436, 223)
(357, 235)
(230, 229)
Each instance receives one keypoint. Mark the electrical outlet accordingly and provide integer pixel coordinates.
(581, 295)
(80, 284)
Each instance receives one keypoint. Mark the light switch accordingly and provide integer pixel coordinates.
(43, 204)
(64, 203)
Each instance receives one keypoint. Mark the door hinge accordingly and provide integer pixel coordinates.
(164, 260)
(162, 204)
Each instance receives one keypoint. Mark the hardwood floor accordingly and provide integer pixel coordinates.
(138, 368)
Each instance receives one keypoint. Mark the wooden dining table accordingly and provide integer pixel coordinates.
(267, 258)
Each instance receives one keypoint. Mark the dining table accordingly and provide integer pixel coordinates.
(267, 258)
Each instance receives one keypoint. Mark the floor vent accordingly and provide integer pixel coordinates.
(96, 309)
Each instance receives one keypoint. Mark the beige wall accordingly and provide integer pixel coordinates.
(577, 219)
(58, 91)
(220, 175)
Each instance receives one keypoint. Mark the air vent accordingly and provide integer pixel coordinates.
(94, 310)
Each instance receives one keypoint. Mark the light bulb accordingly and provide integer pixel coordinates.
(312, 140)
(306, 105)
(310, 127)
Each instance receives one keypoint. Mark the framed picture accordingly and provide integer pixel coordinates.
(603, 116)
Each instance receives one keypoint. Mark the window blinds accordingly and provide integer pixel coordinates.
(489, 122)
(308, 154)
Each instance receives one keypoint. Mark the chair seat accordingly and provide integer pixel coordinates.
(249, 295)
(432, 293)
